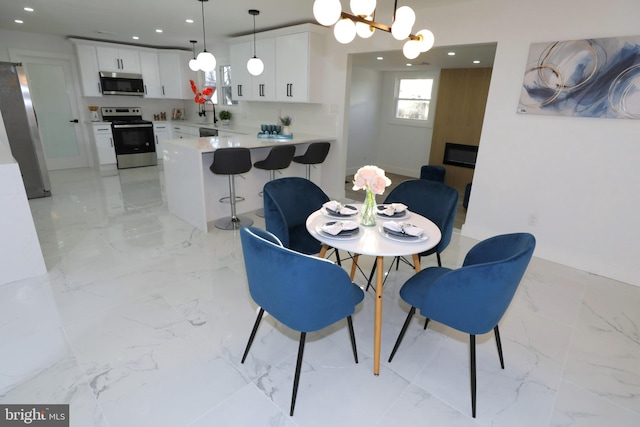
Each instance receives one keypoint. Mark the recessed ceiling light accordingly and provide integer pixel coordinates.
(189, 21)
(135, 38)
(158, 30)
(28, 9)
(19, 21)
(409, 65)
(451, 53)
(476, 62)
(379, 58)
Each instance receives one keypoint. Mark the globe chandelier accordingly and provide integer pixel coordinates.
(362, 22)
(205, 60)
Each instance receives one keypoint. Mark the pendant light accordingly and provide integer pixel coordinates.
(193, 63)
(361, 22)
(206, 60)
(255, 66)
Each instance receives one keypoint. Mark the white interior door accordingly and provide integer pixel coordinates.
(54, 101)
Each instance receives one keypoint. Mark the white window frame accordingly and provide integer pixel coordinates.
(413, 122)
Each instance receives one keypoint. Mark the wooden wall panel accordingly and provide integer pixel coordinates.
(462, 97)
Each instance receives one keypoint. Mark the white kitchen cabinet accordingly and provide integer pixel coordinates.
(150, 74)
(162, 132)
(240, 77)
(180, 131)
(165, 73)
(104, 143)
(263, 87)
(254, 88)
(119, 59)
(88, 62)
(175, 74)
(299, 75)
(293, 62)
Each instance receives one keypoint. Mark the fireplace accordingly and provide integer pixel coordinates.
(460, 155)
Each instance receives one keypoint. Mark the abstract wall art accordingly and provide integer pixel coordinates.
(583, 78)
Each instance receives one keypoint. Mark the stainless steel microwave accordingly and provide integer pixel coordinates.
(121, 83)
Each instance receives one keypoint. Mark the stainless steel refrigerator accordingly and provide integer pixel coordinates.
(22, 129)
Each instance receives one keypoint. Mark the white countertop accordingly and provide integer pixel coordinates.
(211, 144)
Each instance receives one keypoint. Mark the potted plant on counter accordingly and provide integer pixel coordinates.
(286, 122)
(225, 116)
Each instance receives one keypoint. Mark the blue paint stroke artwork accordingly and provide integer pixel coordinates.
(583, 78)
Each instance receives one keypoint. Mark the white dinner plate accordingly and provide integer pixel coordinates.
(402, 238)
(349, 236)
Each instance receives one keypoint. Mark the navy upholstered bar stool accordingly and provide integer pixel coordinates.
(231, 162)
(315, 154)
(279, 157)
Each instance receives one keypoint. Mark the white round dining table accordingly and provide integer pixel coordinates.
(373, 241)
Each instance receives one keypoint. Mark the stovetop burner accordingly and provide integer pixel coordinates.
(123, 115)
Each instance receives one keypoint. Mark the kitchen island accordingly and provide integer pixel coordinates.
(193, 191)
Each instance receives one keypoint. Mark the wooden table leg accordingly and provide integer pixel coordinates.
(377, 333)
(323, 251)
(416, 262)
(354, 265)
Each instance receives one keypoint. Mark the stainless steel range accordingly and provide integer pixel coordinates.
(133, 137)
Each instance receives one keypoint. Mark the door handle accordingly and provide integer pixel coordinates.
(73, 121)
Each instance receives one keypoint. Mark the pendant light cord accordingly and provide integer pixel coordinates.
(254, 34)
(204, 37)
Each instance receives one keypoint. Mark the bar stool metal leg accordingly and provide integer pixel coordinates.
(234, 222)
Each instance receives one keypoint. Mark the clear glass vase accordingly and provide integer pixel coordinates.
(369, 210)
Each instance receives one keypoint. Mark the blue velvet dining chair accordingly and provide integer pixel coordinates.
(288, 202)
(474, 297)
(433, 173)
(303, 292)
(433, 200)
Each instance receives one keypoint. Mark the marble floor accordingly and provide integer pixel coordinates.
(141, 320)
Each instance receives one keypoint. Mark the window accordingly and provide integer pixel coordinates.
(223, 94)
(226, 92)
(210, 80)
(412, 99)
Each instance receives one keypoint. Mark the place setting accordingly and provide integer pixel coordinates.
(336, 209)
(343, 230)
(402, 232)
(392, 210)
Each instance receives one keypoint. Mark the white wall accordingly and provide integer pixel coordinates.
(364, 112)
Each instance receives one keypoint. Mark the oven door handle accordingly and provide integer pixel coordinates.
(142, 125)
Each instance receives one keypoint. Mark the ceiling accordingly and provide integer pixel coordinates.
(119, 20)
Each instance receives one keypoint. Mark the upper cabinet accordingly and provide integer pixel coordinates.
(118, 59)
(292, 60)
(88, 62)
(175, 74)
(165, 73)
(241, 80)
(254, 88)
(263, 87)
(301, 79)
(150, 74)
